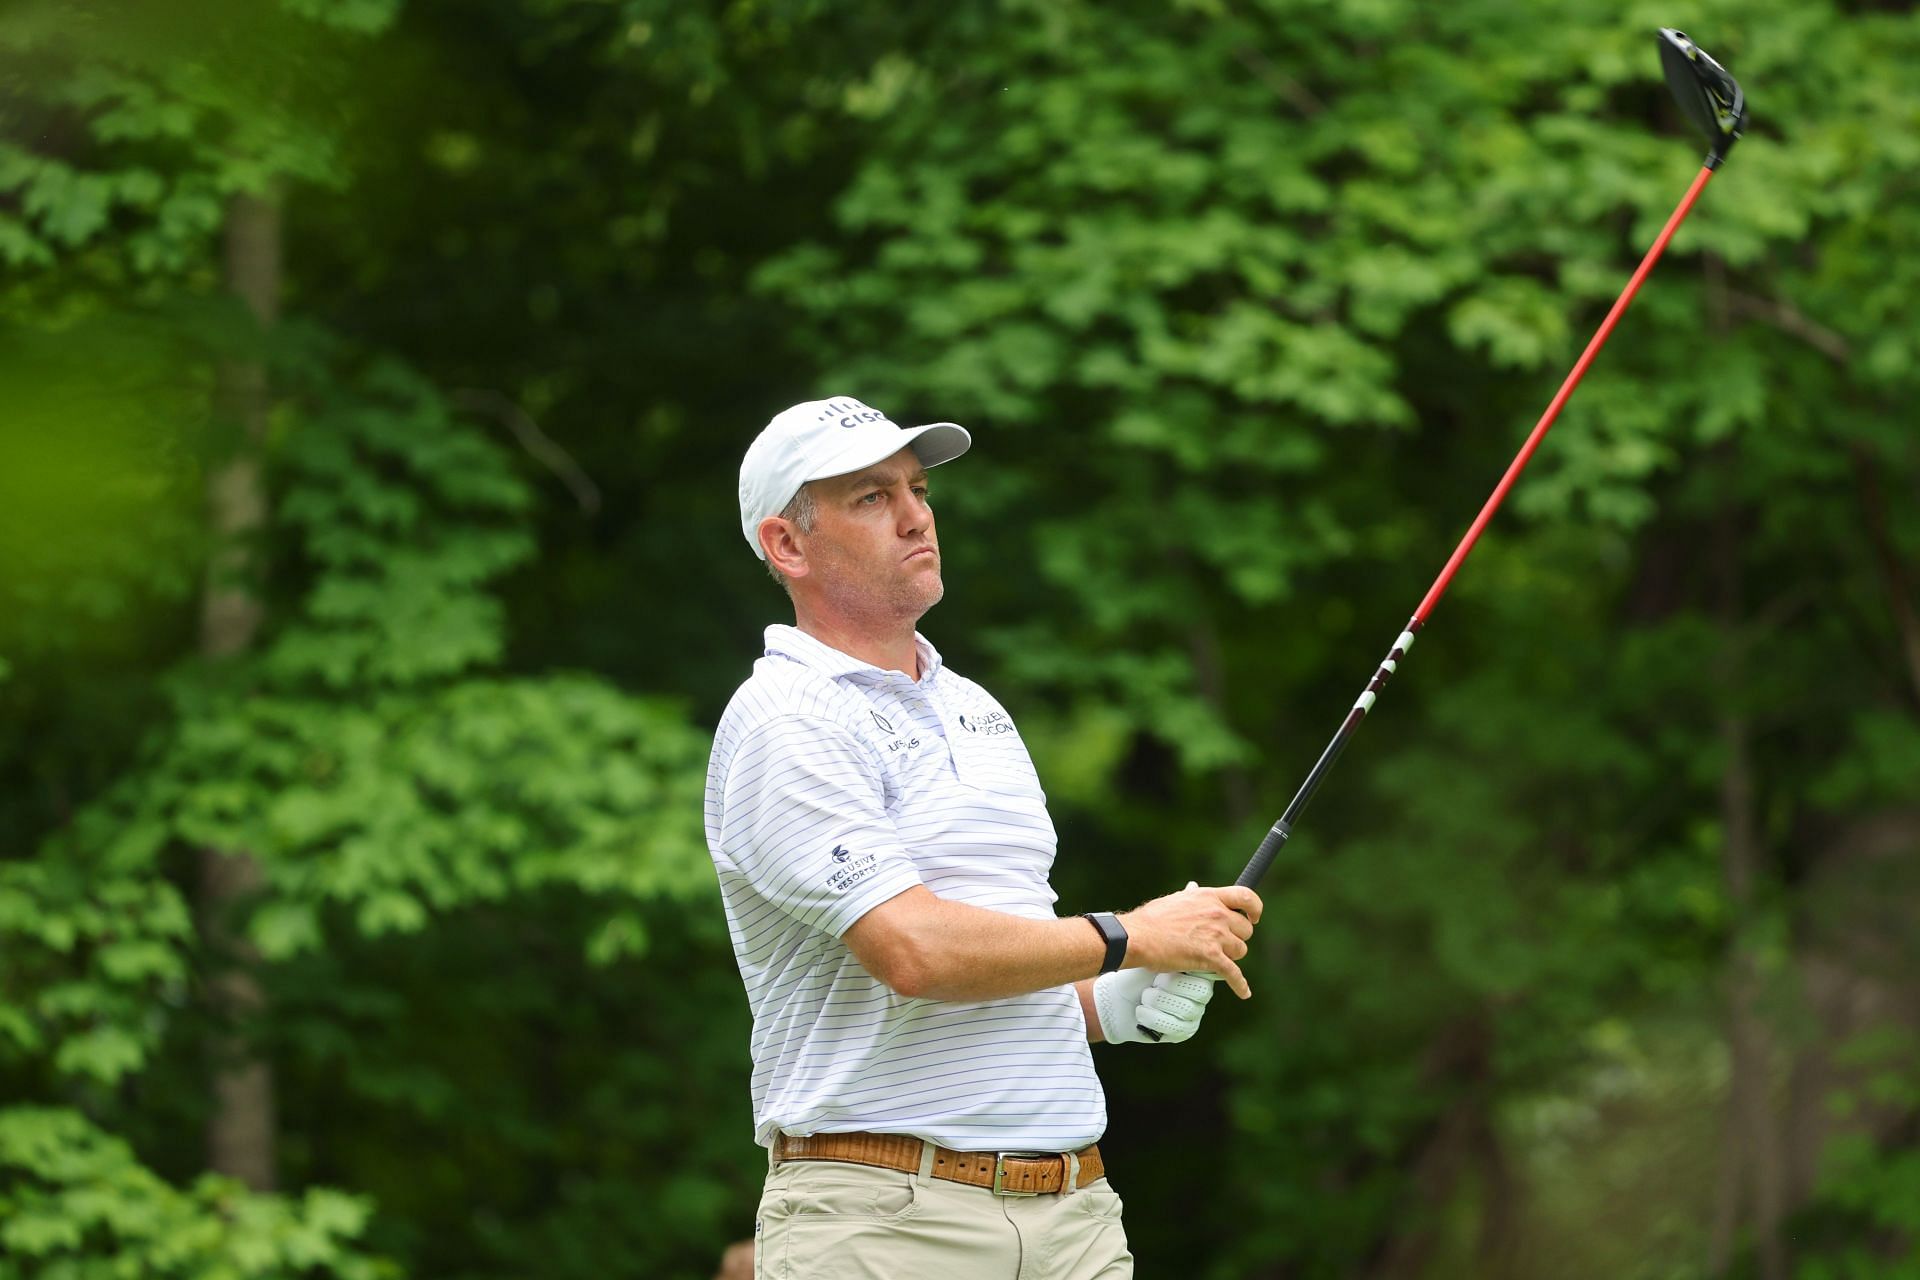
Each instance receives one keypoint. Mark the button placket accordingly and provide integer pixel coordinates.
(937, 706)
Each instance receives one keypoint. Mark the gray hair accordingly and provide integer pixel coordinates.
(802, 513)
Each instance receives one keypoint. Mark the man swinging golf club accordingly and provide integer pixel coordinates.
(921, 1018)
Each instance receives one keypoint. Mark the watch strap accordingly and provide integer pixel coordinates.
(1113, 933)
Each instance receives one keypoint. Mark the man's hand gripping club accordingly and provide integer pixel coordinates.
(1177, 948)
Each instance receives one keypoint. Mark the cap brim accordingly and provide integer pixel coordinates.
(939, 442)
(933, 444)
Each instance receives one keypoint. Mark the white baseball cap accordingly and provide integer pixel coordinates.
(824, 438)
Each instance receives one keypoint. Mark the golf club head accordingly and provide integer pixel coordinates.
(1710, 97)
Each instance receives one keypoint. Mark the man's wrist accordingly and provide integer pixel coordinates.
(1113, 934)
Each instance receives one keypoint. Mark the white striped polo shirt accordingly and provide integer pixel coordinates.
(835, 785)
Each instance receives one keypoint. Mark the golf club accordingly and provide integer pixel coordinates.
(1712, 100)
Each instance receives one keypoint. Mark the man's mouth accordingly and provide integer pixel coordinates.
(917, 552)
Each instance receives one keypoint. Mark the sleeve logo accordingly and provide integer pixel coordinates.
(851, 869)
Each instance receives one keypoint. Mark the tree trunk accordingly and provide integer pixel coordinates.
(1811, 1080)
(1503, 1206)
(1460, 1144)
(240, 1131)
(1752, 1171)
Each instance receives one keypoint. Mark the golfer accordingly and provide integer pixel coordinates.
(921, 1017)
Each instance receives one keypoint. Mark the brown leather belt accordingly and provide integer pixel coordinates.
(1005, 1173)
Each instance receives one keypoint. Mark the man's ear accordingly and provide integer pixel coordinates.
(783, 549)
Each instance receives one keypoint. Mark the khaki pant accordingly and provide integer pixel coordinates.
(821, 1220)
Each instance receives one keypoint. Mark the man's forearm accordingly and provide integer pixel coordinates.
(926, 946)
(923, 945)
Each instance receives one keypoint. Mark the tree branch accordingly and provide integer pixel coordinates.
(1790, 320)
(534, 441)
(1282, 84)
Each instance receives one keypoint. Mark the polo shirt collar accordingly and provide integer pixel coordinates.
(792, 642)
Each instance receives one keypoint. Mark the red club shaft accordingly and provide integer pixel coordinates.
(1277, 836)
(1539, 433)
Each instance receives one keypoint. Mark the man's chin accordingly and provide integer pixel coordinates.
(924, 593)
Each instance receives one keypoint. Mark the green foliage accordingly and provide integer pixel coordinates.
(361, 17)
(99, 506)
(411, 806)
(401, 518)
(432, 789)
(174, 123)
(75, 1204)
(88, 960)
(1151, 252)
(1864, 1223)
(435, 788)
(508, 1123)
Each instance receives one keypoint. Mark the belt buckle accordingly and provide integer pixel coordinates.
(1000, 1169)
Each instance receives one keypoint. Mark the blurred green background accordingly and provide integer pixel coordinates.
(373, 380)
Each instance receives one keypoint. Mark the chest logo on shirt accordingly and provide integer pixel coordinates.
(990, 724)
(841, 853)
(898, 744)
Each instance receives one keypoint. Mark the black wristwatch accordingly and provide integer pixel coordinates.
(1115, 935)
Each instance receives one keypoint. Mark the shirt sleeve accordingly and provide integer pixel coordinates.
(805, 821)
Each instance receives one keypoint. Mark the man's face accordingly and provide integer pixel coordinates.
(872, 551)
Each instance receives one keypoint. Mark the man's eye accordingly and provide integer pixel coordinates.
(871, 497)
(922, 491)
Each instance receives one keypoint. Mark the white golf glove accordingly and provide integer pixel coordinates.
(1171, 1004)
